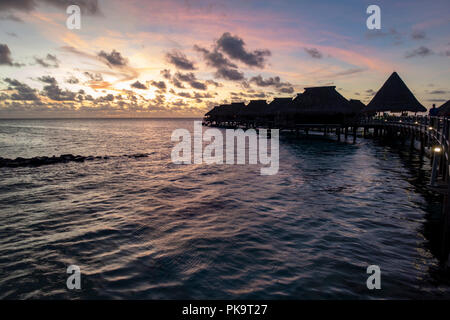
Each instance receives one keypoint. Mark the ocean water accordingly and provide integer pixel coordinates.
(146, 228)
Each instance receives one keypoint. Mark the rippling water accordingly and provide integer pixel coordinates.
(148, 229)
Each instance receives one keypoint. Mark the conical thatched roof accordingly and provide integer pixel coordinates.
(394, 96)
(324, 101)
(444, 110)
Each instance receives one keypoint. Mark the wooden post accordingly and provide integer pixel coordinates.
(355, 129)
(338, 133)
(434, 169)
(422, 144)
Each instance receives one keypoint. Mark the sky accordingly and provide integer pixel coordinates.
(180, 58)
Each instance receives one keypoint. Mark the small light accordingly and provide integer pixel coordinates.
(416, 122)
(430, 128)
(437, 149)
(400, 120)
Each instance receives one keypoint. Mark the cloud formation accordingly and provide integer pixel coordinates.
(50, 61)
(419, 52)
(418, 35)
(5, 57)
(22, 90)
(283, 87)
(313, 53)
(87, 6)
(234, 47)
(225, 69)
(179, 60)
(138, 85)
(113, 59)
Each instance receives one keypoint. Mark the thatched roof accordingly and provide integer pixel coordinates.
(357, 103)
(324, 101)
(282, 106)
(444, 110)
(394, 96)
(231, 110)
(254, 108)
(212, 112)
(297, 97)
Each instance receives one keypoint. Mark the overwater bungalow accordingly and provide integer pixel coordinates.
(324, 105)
(394, 96)
(278, 108)
(253, 111)
(318, 105)
(357, 103)
(444, 110)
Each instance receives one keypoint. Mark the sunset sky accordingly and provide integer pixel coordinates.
(180, 58)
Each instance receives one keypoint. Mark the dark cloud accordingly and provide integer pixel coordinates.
(50, 61)
(177, 83)
(214, 83)
(229, 74)
(72, 80)
(86, 6)
(108, 98)
(419, 52)
(286, 90)
(214, 58)
(54, 92)
(283, 87)
(5, 57)
(138, 85)
(225, 69)
(47, 79)
(24, 92)
(191, 79)
(314, 53)
(438, 92)
(179, 60)
(113, 59)
(161, 85)
(418, 35)
(93, 76)
(166, 74)
(234, 47)
(195, 95)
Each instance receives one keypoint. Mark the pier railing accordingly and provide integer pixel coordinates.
(432, 132)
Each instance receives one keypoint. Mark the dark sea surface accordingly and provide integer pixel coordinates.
(146, 228)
